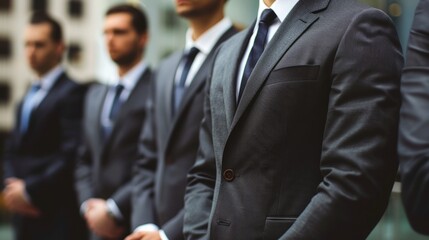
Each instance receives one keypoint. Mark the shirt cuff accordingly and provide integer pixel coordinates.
(27, 197)
(150, 227)
(162, 235)
(83, 208)
(114, 209)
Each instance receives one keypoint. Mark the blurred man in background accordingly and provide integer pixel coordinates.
(113, 117)
(39, 157)
(413, 141)
(169, 143)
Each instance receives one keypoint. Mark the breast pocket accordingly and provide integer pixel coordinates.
(302, 73)
(275, 227)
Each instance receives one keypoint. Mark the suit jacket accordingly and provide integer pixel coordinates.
(414, 123)
(169, 146)
(309, 152)
(104, 168)
(44, 157)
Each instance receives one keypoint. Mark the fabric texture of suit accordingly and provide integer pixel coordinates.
(168, 147)
(310, 151)
(104, 168)
(413, 141)
(44, 158)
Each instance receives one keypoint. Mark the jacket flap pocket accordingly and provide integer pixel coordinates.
(294, 73)
(275, 227)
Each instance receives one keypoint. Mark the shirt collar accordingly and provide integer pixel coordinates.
(281, 8)
(130, 79)
(49, 79)
(207, 40)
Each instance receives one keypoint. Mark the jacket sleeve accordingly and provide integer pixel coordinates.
(201, 180)
(413, 141)
(84, 161)
(82, 174)
(358, 162)
(143, 211)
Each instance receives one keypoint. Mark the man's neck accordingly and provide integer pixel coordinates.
(41, 73)
(125, 68)
(269, 2)
(200, 25)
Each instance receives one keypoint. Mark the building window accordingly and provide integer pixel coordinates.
(4, 93)
(74, 53)
(75, 8)
(5, 5)
(5, 48)
(39, 5)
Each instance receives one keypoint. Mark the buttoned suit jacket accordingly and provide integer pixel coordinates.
(104, 168)
(44, 158)
(310, 150)
(414, 123)
(169, 146)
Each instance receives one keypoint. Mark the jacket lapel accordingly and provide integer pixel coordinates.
(167, 79)
(93, 110)
(45, 106)
(133, 101)
(234, 55)
(297, 22)
(201, 76)
(198, 82)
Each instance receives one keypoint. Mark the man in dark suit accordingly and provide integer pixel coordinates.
(413, 141)
(113, 118)
(39, 159)
(169, 143)
(298, 140)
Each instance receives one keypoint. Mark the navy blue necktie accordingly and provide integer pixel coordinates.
(114, 110)
(267, 18)
(116, 104)
(180, 87)
(27, 107)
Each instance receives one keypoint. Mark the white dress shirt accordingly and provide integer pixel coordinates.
(281, 8)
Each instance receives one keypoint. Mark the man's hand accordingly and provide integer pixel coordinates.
(99, 221)
(15, 200)
(144, 235)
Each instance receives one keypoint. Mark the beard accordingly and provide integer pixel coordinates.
(127, 58)
(208, 9)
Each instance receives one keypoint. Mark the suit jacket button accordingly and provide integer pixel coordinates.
(228, 175)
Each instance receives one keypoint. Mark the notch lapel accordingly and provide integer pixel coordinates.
(297, 22)
(234, 54)
(93, 110)
(134, 100)
(168, 81)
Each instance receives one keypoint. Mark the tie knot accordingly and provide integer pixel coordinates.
(35, 87)
(192, 52)
(118, 89)
(268, 16)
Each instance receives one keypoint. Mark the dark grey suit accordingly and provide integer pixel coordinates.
(414, 124)
(104, 169)
(168, 148)
(310, 151)
(44, 157)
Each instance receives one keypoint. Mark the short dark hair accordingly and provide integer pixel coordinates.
(138, 17)
(40, 17)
